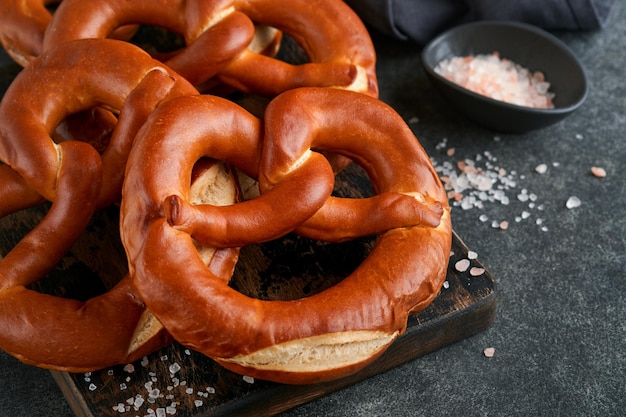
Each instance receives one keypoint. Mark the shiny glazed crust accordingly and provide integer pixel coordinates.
(324, 336)
(41, 329)
(24, 23)
(341, 55)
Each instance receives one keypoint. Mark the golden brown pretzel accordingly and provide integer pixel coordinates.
(327, 335)
(341, 55)
(88, 73)
(113, 328)
(23, 24)
(42, 329)
(236, 137)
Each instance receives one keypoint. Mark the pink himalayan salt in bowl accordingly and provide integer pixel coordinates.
(508, 76)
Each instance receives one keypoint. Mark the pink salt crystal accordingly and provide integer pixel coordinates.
(462, 265)
(498, 78)
(489, 352)
(476, 271)
(598, 172)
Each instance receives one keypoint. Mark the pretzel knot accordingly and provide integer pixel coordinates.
(329, 334)
(42, 329)
(219, 37)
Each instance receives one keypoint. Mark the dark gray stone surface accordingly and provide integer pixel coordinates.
(560, 331)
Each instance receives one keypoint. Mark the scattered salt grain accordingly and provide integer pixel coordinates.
(573, 202)
(462, 265)
(472, 255)
(489, 352)
(173, 368)
(138, 402)
(477, 271)
(446, 285)
(498, 78)
(459, 179)
(541, 168)
(154, 394)
(248, 379)
(598, 172)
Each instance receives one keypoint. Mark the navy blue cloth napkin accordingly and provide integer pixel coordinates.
(421, 20)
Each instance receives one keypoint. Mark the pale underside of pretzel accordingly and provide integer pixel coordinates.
(324, 336)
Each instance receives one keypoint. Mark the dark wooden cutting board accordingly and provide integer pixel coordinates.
(193, 385)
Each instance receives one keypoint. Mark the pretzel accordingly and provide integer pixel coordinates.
(42, 329)
(23, 24)
(87, 73)
(341, 55)
(109, 329)
(327, 335)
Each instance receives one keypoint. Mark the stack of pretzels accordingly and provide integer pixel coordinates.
(93, 121)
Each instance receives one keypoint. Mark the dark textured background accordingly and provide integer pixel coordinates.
(560, 331)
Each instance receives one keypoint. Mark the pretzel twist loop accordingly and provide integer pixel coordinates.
(324, 336)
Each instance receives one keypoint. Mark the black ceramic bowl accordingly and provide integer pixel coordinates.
(526, 45)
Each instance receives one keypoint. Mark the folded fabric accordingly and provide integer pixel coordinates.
(421, 20)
